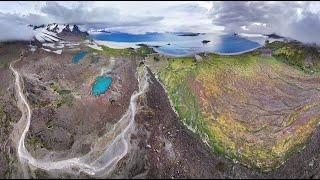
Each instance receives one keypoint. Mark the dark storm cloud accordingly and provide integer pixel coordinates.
(79, 14)
(307, 29)
(98, 15)
(268, 17)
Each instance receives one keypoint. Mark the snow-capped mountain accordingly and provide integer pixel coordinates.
(56, 38)
(55, 32)
(65, 29)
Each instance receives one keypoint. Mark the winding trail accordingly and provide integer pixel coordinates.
(102, 158)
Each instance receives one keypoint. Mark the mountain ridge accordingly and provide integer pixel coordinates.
(55, 32)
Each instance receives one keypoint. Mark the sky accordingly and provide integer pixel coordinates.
(298, 20)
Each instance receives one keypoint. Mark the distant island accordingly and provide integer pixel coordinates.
(104, 31)
(205, 41)
(274, 36)
(189, 34)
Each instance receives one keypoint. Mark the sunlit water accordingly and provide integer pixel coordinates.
(173, 44)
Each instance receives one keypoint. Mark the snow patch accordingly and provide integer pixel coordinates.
(49, 45)
(95, 46)
(48, 50)
(39, 38)
(60, 46)
(71, 27)
(42, 34)
(32, 48)
(52, 26)
(60, 28)
(58, 51)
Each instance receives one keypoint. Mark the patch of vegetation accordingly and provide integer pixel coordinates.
(94, 59)
(36, 141)
(275, 45)
(66, 99)
(303, 57)
(1, 111)
(193, 89)
(7, 55)
(156, 59)
(292, 56)
(144, 51)
(5, 120)
(56, 88)
(141, 64)
(106, 51)
(41, 174)
(64, 92)
(10, 161)
(184, 101)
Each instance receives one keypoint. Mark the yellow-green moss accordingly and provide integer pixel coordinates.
(191, 85)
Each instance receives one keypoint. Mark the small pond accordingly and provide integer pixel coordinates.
(76, 58)
(101, 85)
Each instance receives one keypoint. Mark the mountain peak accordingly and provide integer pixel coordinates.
(55, 32)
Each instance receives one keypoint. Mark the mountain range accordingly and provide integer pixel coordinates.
(55, 32)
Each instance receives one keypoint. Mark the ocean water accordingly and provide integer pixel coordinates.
(101, 85)
(173, 44)
(76, 58)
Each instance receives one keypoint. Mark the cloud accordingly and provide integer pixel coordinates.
(291, 19)
(12, 30)
(81, 14)
(299, 20)
(307, 29)
(190, 8)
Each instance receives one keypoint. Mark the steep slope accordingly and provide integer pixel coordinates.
(250, 107)
(55, 32)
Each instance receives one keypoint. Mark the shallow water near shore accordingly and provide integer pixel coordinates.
(177, 45)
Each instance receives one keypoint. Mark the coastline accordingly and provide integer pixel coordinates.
(116, 45)
(123, 45)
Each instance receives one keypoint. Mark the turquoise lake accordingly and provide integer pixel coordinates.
(76, 58)
(101, 85)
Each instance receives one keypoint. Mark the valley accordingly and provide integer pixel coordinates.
(76, 109)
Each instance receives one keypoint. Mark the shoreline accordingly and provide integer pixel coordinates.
(124, 45)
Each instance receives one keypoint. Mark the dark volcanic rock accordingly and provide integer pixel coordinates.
(142, 45)
(274, 36)
(36, 27)
(205, 41)
(75, 31)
